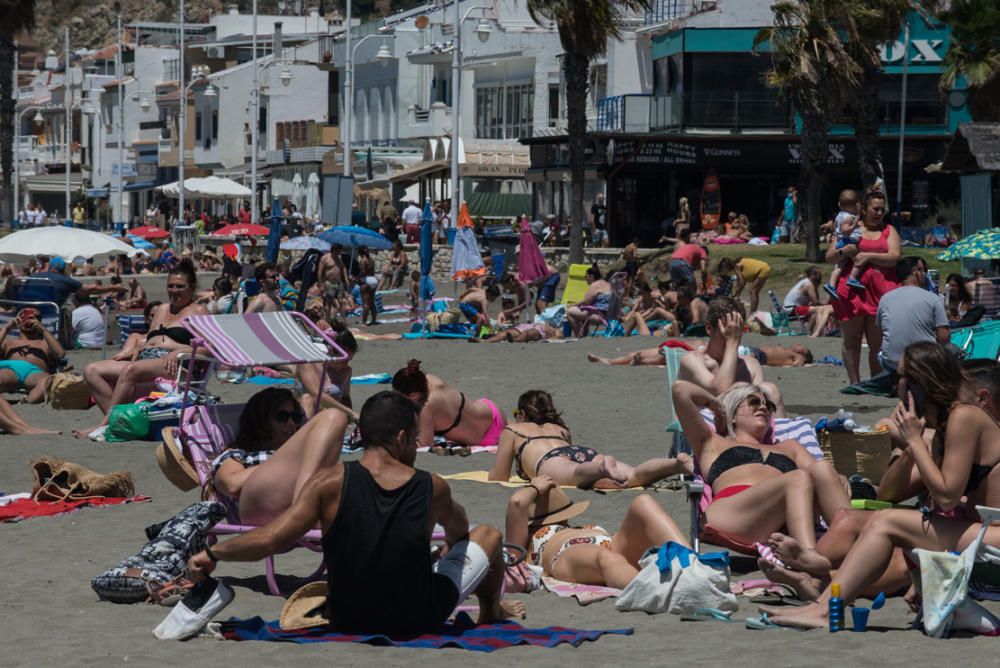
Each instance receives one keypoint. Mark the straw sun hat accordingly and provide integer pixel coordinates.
(554, 508)
(304, 608)
(175, 466)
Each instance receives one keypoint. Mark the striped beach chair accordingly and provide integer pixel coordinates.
(245, 340)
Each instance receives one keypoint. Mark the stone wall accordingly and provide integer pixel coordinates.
(557, 256)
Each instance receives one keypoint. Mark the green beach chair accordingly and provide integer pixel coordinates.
(980, 342)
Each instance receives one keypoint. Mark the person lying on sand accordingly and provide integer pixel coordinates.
(13, 424)
(538, 521)
(795, 355)
(962, 462)
(275, 452)
(445, 412)
(377, 515)
(540, 443)
(525, 333)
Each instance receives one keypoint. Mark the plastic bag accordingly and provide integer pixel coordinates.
(127, 422)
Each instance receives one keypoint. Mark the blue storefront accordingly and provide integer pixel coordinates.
(710, 110)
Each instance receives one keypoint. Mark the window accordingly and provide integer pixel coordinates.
(923, 101)
(197, 126)
(504, 112)
(333, 99)
(215, 126)
(553, 104)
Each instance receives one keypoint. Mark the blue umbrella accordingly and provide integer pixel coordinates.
(139, 242)
(274, 236)
(352, 236)
(426, 252)
(305, 243)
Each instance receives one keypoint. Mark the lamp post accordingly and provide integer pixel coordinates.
(902, 121)
(483, 30)
(285, 77)
(17, 151)
(68, 128)
(120, 72)
(383, 55)
(181, 118)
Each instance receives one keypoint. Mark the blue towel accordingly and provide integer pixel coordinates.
(830, 359)
(367, 379)
(462, 634)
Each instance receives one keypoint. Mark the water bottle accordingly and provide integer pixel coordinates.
(836, 609)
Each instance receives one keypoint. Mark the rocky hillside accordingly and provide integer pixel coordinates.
(92, 22)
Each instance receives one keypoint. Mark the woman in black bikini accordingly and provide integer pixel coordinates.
(113, 381)
(758, 489)
(961, 462)
(540, 444)
(395, 268)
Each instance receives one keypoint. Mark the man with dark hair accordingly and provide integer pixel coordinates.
(720, 365)
(377, 515)
(269, 298)
(909, 313)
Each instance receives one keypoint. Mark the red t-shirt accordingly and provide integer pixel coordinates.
(245, 217)
(693, 254)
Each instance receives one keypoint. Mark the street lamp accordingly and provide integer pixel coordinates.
(483, 30)
(383, 55)
(285, 77)
(37, 118)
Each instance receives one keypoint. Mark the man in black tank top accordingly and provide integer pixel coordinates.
(377, 515)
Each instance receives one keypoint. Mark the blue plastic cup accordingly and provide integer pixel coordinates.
(567, 329)
(860, 617)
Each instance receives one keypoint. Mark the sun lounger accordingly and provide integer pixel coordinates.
(51, 317)
(576, 284)
(981, 341)
(131, 323)
(781, 318)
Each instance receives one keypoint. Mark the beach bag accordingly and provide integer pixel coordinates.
(127, 422)
(163, 558)
(67, 391)
(553, 316)
(59, 480)
(674, 578)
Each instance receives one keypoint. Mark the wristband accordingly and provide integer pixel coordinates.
(211, 555)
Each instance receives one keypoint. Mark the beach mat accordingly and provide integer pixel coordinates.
(436, 335)
(367, 379)
(483, 476)
(584, 594)
(879, 386)
(462, 634)
(22, 509)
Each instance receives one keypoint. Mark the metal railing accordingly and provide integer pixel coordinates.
(649, 113)
(670, 10)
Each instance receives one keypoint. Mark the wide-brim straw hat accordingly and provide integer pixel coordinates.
(554, 508)
(305, 608)
(175, 466)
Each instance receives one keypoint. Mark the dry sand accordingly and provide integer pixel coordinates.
(49, 614)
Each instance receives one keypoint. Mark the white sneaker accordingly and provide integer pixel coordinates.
(190, 616)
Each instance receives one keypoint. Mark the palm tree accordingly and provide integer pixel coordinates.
(875, 22)
(18, 15)
(585, 26)
(811, 68)
(974, 53)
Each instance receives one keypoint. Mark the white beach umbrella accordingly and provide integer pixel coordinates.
(314, 206)
(298, 193)
(209, 187)
(70, 243)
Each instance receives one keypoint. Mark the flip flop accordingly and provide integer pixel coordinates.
(709, 615)
(764, 623)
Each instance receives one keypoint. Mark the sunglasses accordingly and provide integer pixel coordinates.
(295, 416)
(754, 402)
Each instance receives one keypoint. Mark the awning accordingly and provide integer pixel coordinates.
(418, 170)
(495, 159)
(139, 185)
(52, 183)
(499, 205)
(97, 193)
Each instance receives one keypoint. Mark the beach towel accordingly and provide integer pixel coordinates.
(584, 594)
(484, 476)
(463, 634)
(880, 385)
(366, 379)
(25, 508)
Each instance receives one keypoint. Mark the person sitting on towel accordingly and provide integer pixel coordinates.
(445, 412)
(377, 515)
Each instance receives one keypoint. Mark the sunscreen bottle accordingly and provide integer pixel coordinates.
(836, 609)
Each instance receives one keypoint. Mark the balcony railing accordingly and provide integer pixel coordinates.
(671, 10)
(648, 113)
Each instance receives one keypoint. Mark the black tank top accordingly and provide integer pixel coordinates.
(378, 559)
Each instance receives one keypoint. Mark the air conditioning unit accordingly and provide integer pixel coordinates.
(217, 52)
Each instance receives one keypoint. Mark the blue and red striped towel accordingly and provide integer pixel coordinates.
(463, 634)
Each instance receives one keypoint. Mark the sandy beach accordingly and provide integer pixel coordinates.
(50, 615)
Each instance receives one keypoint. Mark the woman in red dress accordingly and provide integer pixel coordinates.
(855, 308)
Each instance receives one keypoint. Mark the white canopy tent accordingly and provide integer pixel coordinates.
(209, 187)
(70, 243)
